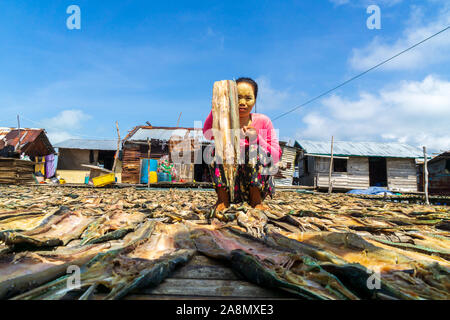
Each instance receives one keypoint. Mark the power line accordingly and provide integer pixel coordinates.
(361, 74)
(76, 134)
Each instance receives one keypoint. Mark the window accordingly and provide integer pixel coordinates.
(447, 165)
(340, 165)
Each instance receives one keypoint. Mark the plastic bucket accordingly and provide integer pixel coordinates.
(153, 177)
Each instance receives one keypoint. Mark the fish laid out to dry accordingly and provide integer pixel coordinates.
(25, 270)
(406, 278)
(58, 229)
(226, 129)
(146, 262)
(14, 220)
(315, 246)
(110, 226)
(269, 266)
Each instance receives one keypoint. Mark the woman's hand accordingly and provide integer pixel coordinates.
(250, 132)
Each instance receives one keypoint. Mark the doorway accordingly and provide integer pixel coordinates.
(106, 159)
(377, 172)
(201, 170)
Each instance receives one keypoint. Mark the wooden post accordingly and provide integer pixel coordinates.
(18, 127)
(178, 122)
(425, 170)
(330, 184)
(118, 149)
(149, 143)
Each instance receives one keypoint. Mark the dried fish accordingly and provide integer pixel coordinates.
(24, 271)
(301, 240)
(226, 129)
(145, 262)
(58, 229)
(269, 266)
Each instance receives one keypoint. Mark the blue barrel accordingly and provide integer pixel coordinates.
(144, 168)
(153, 165)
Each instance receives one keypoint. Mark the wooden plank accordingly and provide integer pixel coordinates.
(201, 267)
(204, 272)
(174, 297)
(210, 288)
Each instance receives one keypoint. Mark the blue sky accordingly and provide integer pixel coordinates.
(138, 61)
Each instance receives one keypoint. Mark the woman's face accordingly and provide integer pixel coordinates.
(246, 98)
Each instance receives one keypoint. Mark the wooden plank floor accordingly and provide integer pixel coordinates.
(204, 278)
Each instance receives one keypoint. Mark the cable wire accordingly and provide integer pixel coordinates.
(361, 74)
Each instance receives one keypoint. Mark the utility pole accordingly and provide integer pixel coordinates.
(178, 122)
(118, 148)
(425, 171)
(149, 142)
(330, 184)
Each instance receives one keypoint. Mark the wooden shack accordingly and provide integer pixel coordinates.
(34, 144)
(286, 165)
(75, 154)
(439, 174)
(170, 141)
(358, 165)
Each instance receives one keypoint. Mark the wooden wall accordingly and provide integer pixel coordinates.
(131, 163)
(401, 174)
(72, 159)
(439, 177)
(286, 166)
(356, 177)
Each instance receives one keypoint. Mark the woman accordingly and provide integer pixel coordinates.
(253, 183)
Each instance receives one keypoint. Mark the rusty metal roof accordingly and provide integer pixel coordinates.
(28, 137)
(361, 149)
(444, 155)
(165, 134)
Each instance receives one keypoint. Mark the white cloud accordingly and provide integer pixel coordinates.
(413, 112)
(270, 98)
(59, 136)
(366, 3)
(434, 51)
(67, 119)
(61, 126)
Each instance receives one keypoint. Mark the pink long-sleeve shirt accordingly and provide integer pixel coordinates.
(267, 137)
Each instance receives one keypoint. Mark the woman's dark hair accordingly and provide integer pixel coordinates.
(249, 81)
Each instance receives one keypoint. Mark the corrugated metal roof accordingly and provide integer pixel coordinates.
(367, 149)
(27, 139)
(444, 155)
(86, 144)
(166, 134)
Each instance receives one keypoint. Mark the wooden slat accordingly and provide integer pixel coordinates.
(210, 288)
(204, 272)
(174, 297)
(201, 267)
